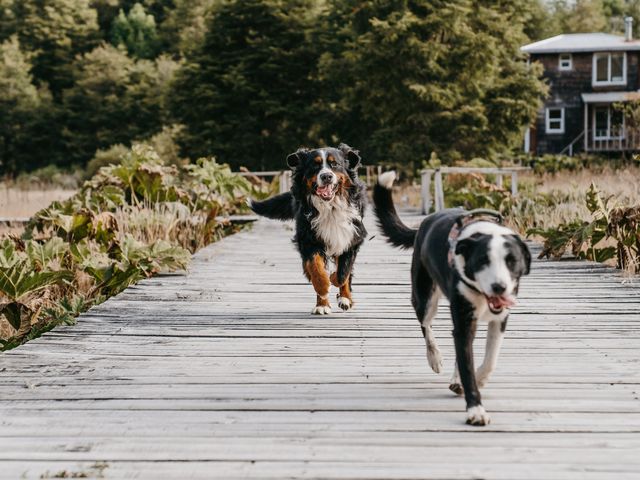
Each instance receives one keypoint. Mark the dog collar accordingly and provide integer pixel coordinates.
(463, 221)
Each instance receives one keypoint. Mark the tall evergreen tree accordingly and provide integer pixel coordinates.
(21, 107)
(56, 31)
(245, 96)
(423, 76)
(136, 31)
(115, 99)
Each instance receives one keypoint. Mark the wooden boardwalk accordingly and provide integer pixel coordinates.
(222, 374)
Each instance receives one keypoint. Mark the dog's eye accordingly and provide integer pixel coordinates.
(333, 164)
(510, 260)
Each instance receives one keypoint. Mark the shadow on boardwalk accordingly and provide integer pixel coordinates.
(223, 374)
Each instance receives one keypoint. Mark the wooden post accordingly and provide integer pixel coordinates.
(284, 182)
(586, 127)
(439, 191)
(367, 170)
(499, 181)
(425, 191)
(514, 184)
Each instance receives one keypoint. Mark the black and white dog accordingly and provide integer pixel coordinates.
(477, 264)
(327, 201)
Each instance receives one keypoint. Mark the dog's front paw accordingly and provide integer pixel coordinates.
(345, 303)
(321, 310)
(478, 416)
(456, 388)
(434, 358)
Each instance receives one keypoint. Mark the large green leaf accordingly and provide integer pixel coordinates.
(41, 255)
(20, 280)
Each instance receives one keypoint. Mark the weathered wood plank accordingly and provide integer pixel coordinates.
(222, 373)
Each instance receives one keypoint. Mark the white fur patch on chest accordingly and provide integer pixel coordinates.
(334, 223)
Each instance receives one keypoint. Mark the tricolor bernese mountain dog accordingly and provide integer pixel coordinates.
(327, 201)
(477, 264)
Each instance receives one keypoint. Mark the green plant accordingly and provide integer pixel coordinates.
(130, 221)
(613, 232)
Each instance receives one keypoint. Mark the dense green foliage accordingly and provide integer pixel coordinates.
(251, 80)
(130, 221)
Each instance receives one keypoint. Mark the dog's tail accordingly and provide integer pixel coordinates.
(396, 232)
(279, 207)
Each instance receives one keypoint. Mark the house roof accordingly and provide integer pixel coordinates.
(610, 97)
(582, 42)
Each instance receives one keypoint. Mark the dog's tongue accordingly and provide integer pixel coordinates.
(325, 192)
(498, 303)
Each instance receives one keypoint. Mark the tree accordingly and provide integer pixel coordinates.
(586, 16)
(423, 76)
(185, 27)
(115, 99)
(246, 95)
(56, 31)
(21, 104)
(136, 31)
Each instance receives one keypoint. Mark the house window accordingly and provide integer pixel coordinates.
(608, 123)
(609, 68)
(565, 61)
(555, 120)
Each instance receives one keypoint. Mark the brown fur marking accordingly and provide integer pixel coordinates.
(311, 181)
(345, 289)
(344, 183)
(317, 273)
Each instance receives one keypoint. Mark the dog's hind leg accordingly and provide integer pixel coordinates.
(316, 272)
(424, 297)
(454, 384)
(495, 334)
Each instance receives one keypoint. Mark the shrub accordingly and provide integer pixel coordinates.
(613, 233)
(130, 221)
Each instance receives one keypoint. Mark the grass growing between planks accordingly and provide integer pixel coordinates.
(130, 221)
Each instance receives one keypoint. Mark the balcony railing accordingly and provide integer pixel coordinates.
(624, 139)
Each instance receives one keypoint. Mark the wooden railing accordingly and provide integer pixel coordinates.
(627, 140)
(439, 190)
(284, 175)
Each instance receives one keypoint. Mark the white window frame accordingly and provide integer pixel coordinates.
(594, 68)
(608, 136)
(548, 120)
(565, 63)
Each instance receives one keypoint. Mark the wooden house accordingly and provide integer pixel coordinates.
(590, 75)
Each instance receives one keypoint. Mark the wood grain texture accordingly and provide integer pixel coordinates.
(223, 373)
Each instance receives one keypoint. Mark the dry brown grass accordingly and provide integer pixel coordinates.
(21, 203)
(18, 203)
(570, 189)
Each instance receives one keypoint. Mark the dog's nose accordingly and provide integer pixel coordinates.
(498, 288)
(326, 178)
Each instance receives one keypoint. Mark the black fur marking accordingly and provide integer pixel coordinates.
(464, 331)
(475, 250)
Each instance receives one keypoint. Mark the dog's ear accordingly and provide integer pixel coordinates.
(525, 253)
(294, 159)
(352, 156)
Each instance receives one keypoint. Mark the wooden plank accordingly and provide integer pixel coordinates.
(221, 372)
